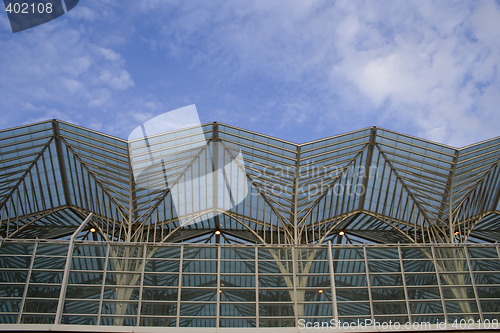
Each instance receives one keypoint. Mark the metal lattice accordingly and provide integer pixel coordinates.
(371, 186)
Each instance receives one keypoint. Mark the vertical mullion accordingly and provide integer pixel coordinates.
(141, 285)
(257, 287)
(332, 283)
(476, 296)
(294, 281)
(405, 288)
(179, 286)
(217, 314)
(28, 277)
(103, 283)
(368, 283)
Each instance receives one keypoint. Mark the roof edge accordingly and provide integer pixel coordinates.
(267, 136)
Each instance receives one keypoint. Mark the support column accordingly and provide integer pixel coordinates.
(60, 160)
(295, 283)
(103, 283)
(439, 283)
(69, 256)
(215, 179)
(295, 199)
(366, 175)
(141, 284)
(217, 311)
(369, 285)
(473, 282)
(332, 282)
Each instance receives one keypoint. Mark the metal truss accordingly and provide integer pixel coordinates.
(366, 186)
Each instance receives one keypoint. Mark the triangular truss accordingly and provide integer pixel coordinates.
(367, 186)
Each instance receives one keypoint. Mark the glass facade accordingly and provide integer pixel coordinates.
(371, 225)
(194, 285)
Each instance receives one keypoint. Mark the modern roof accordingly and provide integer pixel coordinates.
(367, 186)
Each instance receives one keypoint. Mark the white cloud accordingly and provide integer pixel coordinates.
(109, 54)
(120, 80)
(72, 85)
(427, 77)
(83, 12)
(100, 98)
(59, 68)
(295, 69)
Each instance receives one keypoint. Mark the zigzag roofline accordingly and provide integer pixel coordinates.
(269, 136)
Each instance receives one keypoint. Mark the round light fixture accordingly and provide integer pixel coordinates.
(341, 233)
(92, 229)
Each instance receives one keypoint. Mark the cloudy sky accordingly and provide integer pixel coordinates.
(295, 69)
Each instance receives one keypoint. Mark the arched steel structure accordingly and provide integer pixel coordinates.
(375, 185)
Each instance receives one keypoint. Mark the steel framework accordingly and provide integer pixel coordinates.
(370, 224)
(243, 285)
(375, 185)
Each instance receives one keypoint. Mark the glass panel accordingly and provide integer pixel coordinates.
(198, 294)
(79, 320)
(423, 293)
(419, 266)
(275, 281)
(352, 294)
(198, 309)
(81, 307)
(426, 307)
(353, 308)
(350, 280)
(421, 279)
(458, 292)
(387, 293)
(461, 306)
(157, 294)
(40, 306)
(237, 286)
(237, 266)
(83, 292)
(247, 281)
(383, 266)
(276, 310)
(386, 280)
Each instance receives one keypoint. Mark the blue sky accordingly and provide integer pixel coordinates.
(295, 69)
